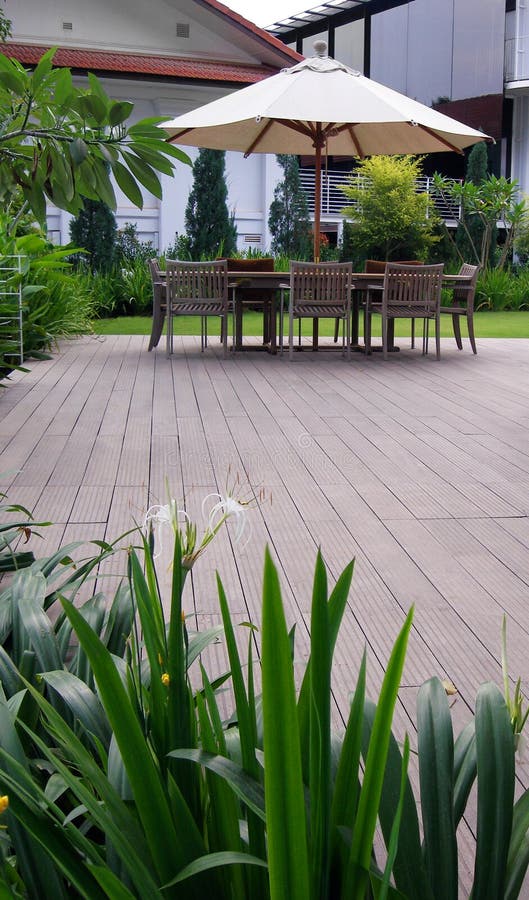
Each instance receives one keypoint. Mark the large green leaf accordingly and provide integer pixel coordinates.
(128, 184)
(83, 703)
(436, 771)
(495, 755)
(143, 172)
(247, 789)
(171, 849)
(518, 859)
(320, 735)
(465, 769)
(288, 861)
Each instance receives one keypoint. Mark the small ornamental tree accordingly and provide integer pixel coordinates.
(390, 219)
(495, 200)
(94, 229)
(210, 228)
(469, 234)
(288, 220)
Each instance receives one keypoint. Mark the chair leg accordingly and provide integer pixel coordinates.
(224, 329)
(470, 325)
(169, 335)
(336, 330)
(290, 335)
(157, 328)
(438, 337)
(367, 329)
(425, 336)
(347, 327)
(384, 337)
(413, 334)
(457, 330)
(281, 321)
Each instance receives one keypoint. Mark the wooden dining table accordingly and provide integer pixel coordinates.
(278, 282)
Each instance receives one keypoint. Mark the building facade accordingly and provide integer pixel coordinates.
(468, 58)
(167, 57)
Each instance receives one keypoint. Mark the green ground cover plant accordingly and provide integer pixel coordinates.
(119, 777)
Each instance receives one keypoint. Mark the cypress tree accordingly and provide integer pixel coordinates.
(209, 227)
(288, 219)
(94, 229)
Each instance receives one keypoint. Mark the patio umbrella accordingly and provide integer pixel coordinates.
(320, 105)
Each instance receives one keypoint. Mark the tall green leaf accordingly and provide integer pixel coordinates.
(495, 755)
(288, 862)
(320, 735)
(436, 771)
(371, 790)
(171, 849)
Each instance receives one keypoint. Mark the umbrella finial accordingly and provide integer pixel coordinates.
(320, 48)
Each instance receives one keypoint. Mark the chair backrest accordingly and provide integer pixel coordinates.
(466, 294)
(199, 286)
(158, 286)
(375, 266)
(155, 270)
(412, 287)
(320, 284)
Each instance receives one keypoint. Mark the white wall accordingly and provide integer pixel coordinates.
(126, 25)
(349, 45)
(440, 48)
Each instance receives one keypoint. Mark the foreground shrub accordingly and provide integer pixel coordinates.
(119, 779)
(54, 302)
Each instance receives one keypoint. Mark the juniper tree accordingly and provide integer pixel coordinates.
(94, 230)
(288, 219)
(210, 228)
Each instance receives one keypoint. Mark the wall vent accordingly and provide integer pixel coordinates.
(67, 26)
(252, 238)
(182, 29)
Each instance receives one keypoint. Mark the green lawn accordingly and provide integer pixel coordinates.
(486, 324)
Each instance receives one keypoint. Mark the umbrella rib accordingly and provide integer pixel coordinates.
(261, 134)
(437, 137)
(174, 138)
(352, 135)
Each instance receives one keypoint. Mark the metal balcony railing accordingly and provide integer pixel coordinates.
(333, 199)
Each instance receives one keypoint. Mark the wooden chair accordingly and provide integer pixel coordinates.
(319, 290)
(377, 267)
(197, 289)
(159, 303)
(410, 292)
(463, 305)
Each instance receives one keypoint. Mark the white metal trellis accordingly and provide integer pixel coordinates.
(11, 309)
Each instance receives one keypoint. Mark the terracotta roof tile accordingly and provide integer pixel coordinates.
(141, 64)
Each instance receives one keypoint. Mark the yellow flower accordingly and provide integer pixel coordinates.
(4, 803)
(165, 679)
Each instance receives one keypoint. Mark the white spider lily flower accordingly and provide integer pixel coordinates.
(226, 507)
(161, 517)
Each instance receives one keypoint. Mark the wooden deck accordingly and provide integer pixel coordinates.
(418, 468)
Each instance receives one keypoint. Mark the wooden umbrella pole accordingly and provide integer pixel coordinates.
(317, 201)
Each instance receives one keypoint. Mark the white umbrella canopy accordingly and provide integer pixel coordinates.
(320, 104)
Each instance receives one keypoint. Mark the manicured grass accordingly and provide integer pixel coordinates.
(486, 324)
